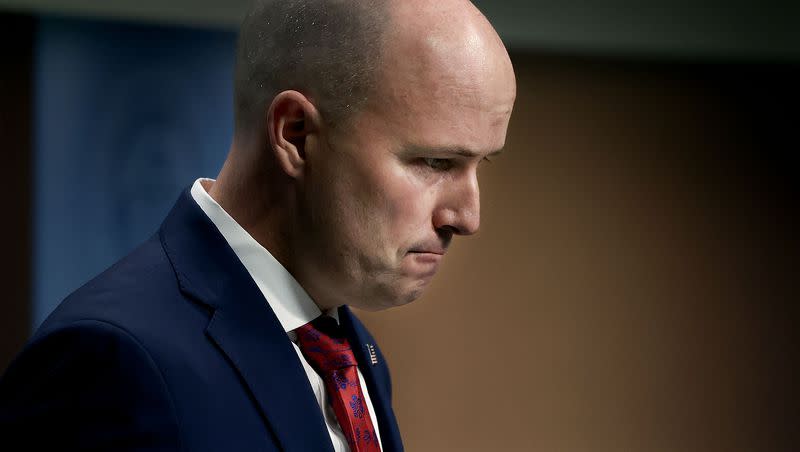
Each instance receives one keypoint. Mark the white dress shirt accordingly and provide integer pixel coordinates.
(285, 296)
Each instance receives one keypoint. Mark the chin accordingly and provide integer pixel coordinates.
(393, 300)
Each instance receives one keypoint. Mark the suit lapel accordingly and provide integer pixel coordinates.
(244, 327)
(278, 382)
(376, 376)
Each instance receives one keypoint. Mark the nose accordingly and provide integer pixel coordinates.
(459, 210)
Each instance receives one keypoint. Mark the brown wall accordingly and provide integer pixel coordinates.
(632, 287)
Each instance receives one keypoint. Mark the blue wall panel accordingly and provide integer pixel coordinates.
(126, 117)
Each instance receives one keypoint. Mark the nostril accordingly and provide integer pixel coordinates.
(445, 234)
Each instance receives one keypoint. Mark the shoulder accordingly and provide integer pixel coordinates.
(89, 384)
(144, 272)
(139, 295)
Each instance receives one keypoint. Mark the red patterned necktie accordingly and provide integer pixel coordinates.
(329, 353)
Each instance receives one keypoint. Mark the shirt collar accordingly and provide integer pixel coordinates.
(290, 302)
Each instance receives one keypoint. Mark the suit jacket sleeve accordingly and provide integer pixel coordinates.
(87, 386)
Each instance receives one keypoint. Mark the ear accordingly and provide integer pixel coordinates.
(290, 120)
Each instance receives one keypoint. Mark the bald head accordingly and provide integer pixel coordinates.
(444, 51)
(343, 53)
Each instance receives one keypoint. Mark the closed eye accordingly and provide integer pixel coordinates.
(438, 164)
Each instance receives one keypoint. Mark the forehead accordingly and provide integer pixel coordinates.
(447, 113)
(439, 98)
(467, 68)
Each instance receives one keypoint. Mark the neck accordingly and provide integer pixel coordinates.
(262, 200)
(248, 189)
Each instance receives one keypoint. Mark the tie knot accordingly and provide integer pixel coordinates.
(324, 345)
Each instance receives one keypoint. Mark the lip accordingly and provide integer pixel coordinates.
(438, 252)
(426, 257)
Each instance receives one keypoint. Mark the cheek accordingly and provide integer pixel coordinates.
(408, 200)
(408, 206)
(384, 206)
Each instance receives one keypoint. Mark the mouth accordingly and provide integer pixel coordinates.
(423, 258)
(438, 249)
(437, 252)
(427, 260)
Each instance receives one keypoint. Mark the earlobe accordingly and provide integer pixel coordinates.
(291, 119)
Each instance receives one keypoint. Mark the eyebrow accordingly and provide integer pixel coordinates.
(455, 151)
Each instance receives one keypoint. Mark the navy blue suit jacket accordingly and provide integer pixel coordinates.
(174, 348)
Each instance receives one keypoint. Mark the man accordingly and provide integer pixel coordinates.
(360, 126)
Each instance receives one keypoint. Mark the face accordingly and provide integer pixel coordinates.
(386, 194)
